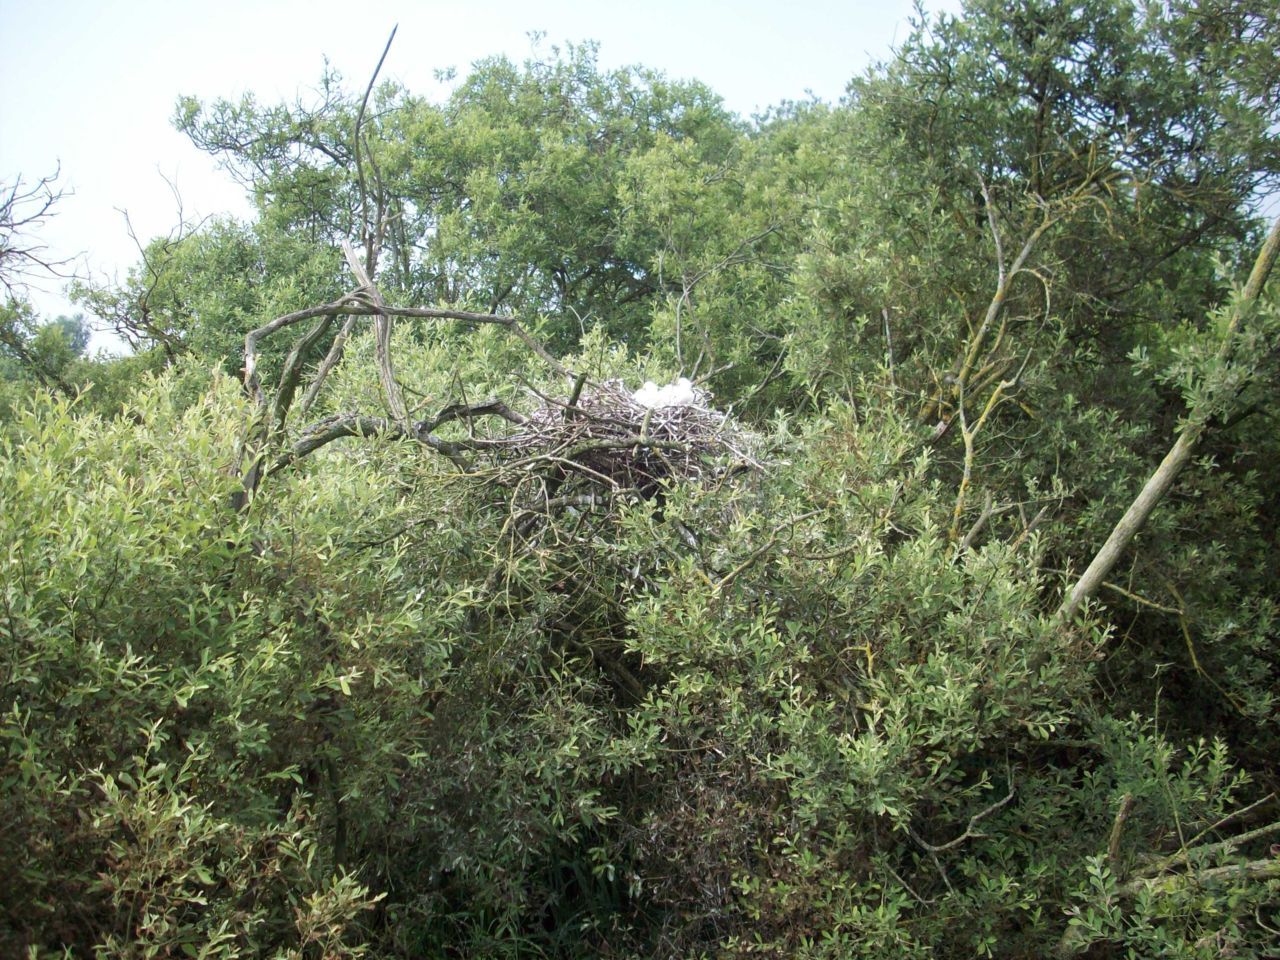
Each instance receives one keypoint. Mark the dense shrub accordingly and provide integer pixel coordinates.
(299, 672)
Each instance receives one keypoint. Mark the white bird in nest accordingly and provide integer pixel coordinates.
(682, 393)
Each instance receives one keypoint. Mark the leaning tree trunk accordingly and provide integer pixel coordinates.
(1178, 456)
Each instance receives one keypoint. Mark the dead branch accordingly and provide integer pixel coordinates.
(363, 301)
(1209, 850)
(367, 231)
(1031, 527)
(342, 425)
(391, 391)
(24, 209)
(331, 360)
(970, 831)
(291, 375)
(359, 303)
(1239, 814)
(1117, 831)
(462, 411)
(350, 303)
(988, 511)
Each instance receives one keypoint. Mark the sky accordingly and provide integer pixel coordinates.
(89, 87)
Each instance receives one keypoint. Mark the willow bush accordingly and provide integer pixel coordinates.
(337, 643)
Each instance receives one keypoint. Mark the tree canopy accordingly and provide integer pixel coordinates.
(367, 609)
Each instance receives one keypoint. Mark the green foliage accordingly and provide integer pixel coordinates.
(201, 292)
(818, 705)
(169, 688)
(38, 355)
(507, 196)
(35, 352)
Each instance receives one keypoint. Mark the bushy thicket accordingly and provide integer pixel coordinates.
(817, 703)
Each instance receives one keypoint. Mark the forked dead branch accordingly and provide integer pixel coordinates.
(598, 443)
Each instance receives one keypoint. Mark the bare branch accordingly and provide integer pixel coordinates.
(331, 360)
(970, 831)
(995, 229)
(999, 299)
(365, 300)
(353, 425)
(1241, 813)
(347, 304)
(1179, 454)
(1117, 831)
(25, 208)
(291, 375)
(1209, 850)
(1030, 527)
(367, 231)
(989, 510)
(382, 331)
(462, 411)
(341, 425)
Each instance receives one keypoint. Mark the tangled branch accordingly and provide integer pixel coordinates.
(24, 208)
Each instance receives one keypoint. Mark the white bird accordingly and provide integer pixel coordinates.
(679, 394)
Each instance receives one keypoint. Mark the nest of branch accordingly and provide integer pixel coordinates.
(563, 471)
(602, 443)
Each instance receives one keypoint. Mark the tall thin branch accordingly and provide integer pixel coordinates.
(367, 231)
(1179, 455)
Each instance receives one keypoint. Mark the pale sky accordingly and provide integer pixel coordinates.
(92, 85)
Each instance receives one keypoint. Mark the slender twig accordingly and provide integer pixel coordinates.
(22, 210)
(760, 551)
(1234, 815)
(331, 360)
(1030, 527)
(365, 224)
(252, 384)
(970, 831)
(988, 511)
(382, 331)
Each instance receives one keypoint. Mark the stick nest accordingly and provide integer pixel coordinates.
(605, 443)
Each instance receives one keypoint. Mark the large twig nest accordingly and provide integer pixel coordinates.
(609, 440)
